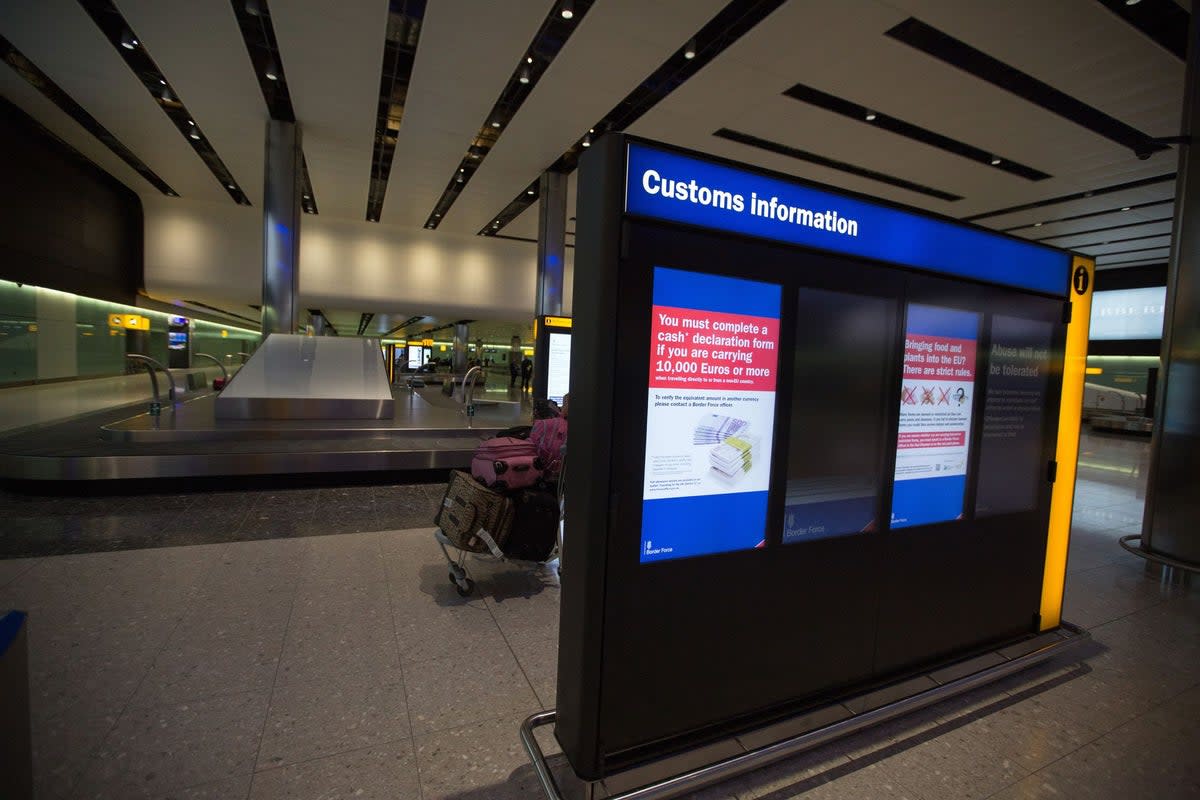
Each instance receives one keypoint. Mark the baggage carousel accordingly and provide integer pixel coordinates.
(428, 431)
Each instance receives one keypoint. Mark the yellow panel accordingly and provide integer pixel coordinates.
(1083, 272)
(1095, 371)
(116, 321)
(558, 322)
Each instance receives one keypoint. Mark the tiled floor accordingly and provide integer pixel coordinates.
(347, 666)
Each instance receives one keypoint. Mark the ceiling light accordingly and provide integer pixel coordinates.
(163, 81)
(1132, 2)
(587, 141)
(459, 179)
(194, 134)
(529, 191)
(272, 71)
(870, 116)
(253, 8)
(1037, 224)
(128, 40)
(995, 161)
(172, 194)
(528, 59)
(524, 77)
(230, 186)
(167, 96)
(689, 50)
(568, 9)
(306, 197)
(495, 123)
(1126, 208)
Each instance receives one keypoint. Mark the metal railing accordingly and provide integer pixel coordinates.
(151, 365)
(468, 384)
(217, 361)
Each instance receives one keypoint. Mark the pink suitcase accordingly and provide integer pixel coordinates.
(506, 463)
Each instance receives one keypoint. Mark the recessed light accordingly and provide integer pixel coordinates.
(436, 214)
(231, 187)
(163, 81)
(495, 123)
(1126, 208)
(1132, 2)
(271, 73)
(1037, 224)
(128, 40)
(194, 135)
(306, 197)
(529, 191)
(524, 76)
(995, 161)
(568, 9)
(528, 59)
(689, 50)
(870, 116)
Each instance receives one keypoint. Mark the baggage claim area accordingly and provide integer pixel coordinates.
(796, 479)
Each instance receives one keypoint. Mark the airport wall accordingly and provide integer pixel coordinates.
(64, 223)
(198, 250)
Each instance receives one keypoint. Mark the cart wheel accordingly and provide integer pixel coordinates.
(466, 588)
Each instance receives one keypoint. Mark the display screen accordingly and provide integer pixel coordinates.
(177, 340)
(838, 420)
(936, 394)
(1128, 314)
(1011, 465)
(416, 356)
(710, 414)
(558, 366)
(177, 322)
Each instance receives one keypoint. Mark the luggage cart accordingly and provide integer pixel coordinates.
(488, 549)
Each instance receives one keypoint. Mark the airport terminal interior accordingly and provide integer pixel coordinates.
(330, 466)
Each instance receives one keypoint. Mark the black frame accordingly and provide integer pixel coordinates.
(608, 717)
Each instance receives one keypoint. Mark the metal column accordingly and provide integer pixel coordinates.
(462, 333)
(281, 227)
(1171, 526)
(552, 241)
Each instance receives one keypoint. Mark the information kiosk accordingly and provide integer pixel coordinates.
(552, 358)
(829, 443)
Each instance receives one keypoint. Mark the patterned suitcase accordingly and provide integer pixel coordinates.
(471, 513)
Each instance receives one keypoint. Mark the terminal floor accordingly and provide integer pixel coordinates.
(346, 666)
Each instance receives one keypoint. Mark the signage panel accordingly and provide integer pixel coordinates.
(710, 414)
(1128, 314)
(680, 188)
(416, 356)
(558, 369)
(936, 395)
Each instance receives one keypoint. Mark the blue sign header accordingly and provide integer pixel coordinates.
(679, 188)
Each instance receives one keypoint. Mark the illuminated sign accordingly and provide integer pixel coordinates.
(1128, 314)
(557, 322)
(680, 188)
(132, 322)
(710, 415)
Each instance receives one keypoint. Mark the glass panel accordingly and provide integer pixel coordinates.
(836, 442)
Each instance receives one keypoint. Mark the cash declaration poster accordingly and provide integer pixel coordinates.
(710, 418)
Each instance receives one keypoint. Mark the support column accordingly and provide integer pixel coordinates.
(462, 334)
(552, 240)
(281, 227)
(1171, 526)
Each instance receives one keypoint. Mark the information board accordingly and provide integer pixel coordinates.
(1011, 457)
(710, 414)
(558, 369)
(936, 395)
(416, 356)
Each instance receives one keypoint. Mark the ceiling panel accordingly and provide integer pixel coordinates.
(1155, 243)
(450, 96)
(221, 92)
(36, 105)
(61, 39)
(901, 82)
(332, 54)
(1090, 236)
(1159, 192)
(583, 83)
(1123, 264)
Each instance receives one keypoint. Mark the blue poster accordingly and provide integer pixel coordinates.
(936, 397)
(710, 414)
